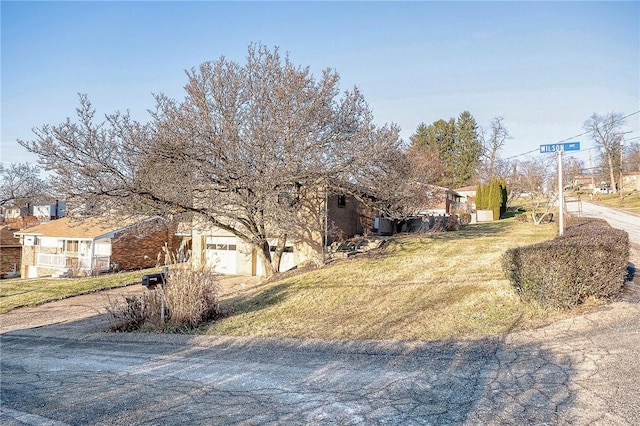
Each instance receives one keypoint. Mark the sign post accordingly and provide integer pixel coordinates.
(560, 148)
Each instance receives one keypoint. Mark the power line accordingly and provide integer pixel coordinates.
(573, 137)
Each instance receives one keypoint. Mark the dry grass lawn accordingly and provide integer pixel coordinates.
(445, 286)
(17, 292)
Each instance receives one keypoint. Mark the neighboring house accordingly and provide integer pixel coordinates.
(227, 254)
(10, 213)
(10, 252)
(467, 198)
(631, 181)
(71, 246)
(584, 183)
(444, 201)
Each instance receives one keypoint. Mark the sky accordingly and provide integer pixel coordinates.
(545, 67)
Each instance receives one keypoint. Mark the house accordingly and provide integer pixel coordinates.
(71, 246)
(443, 201)
(631, 181)
(467, 197)
(10, 252)
(225, 253)
(584, 183)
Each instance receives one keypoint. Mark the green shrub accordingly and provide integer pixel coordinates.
(590, 260)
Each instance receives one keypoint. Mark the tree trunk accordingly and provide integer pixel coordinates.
(264, 254)
(277, 256)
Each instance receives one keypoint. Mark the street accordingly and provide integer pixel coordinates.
(580, 371)
(616, 218)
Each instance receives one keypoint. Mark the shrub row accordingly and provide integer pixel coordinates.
(589, 260)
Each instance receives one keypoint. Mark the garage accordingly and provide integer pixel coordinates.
(221, 254)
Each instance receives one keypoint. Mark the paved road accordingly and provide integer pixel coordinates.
(617, 218)
(580, 371)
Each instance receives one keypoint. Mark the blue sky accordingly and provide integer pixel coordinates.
(543, 66)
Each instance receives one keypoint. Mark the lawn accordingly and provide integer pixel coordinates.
(443, 286)
(630, 202)
(17, 292)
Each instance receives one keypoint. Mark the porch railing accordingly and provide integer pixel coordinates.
(62, 261)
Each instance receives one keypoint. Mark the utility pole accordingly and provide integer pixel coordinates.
(621, 183)
(593, 179)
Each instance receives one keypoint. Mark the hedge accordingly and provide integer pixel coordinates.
(589, 260)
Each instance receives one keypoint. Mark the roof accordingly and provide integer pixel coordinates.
(470, 188)
(85, 228)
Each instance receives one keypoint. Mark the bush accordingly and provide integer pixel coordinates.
(522, 217)
(465, 218)
(190, 299)
(590, 260)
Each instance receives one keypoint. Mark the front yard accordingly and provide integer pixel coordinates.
(436, 287)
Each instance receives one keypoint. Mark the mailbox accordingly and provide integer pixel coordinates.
(152, 280)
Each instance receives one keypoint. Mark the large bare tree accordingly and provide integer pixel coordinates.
(247, 148)
(605, 131)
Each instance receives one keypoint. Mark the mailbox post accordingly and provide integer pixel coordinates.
(151, 281)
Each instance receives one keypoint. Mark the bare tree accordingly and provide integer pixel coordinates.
(533, 179)
(605, 132)
(493, 140)
(248, 149)
(632, 157)
(20, 184)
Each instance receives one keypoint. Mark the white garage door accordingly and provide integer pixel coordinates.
(221, 254)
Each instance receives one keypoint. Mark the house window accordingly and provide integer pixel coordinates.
(287, 249)
(342, 200)
(71, 246)
(225, 247)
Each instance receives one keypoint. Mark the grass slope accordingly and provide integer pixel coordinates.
(420, 288)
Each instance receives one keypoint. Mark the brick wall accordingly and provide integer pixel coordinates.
(345, 219)
(134, 250)
(10, 256)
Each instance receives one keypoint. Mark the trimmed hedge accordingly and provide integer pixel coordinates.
(589, 260)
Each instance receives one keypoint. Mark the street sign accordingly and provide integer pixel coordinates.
(555, 147)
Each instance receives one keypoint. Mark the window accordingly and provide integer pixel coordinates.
(342, 200)
(287, 249)
(71, 246)
(225, 247)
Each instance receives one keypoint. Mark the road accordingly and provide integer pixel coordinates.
(617, 218)
(579, 371)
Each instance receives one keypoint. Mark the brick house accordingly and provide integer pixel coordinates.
(71, 246)
(225, 253)
(631, 181)
(10, 252)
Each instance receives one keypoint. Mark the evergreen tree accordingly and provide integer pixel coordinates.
(495, 198)
(455, 143)
(468, 149)
(479, 200)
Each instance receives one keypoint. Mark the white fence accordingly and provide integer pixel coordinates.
(61, 261)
